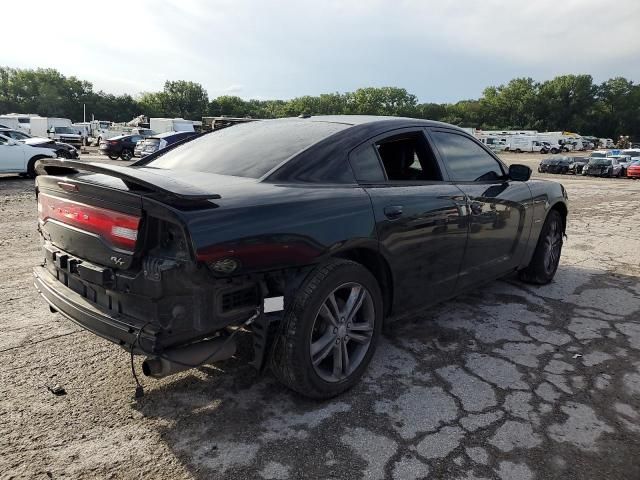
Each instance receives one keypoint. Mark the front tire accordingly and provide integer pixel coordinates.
(126, 155)
(114, 156)
(329, 330)
(546, 256)
(31, 167)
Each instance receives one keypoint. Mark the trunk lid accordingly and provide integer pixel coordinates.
(102, 213)
(98, 224)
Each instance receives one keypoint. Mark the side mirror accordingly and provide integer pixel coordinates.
(519, 173)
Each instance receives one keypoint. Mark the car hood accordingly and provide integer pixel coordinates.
(35, 141)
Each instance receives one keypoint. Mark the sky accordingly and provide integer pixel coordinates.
(441, 51)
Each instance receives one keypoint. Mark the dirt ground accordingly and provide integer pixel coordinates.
(508, 382)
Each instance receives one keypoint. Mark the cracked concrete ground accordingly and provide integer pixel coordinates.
(507, 382)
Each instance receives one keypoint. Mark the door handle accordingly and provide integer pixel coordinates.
(393, 211)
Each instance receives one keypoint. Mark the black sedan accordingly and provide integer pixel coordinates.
(577, 165)
(344, 220)
(121, 146)
(555, 165)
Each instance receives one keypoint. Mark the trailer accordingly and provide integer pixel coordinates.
(18, 121)
(216, 123)
(162, 125)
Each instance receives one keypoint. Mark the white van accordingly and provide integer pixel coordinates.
(55, 128)
(494, 143)
(522, 143)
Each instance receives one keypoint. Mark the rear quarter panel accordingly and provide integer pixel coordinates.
(271, 226)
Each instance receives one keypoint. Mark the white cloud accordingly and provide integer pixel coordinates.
(283, 48)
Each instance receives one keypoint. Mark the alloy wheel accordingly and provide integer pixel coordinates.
(342, 332)
(553, 247)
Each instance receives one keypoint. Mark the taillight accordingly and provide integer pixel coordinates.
(118, 229)
(112, 142)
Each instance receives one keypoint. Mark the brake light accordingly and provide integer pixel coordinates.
(112, 142)
(118, 229)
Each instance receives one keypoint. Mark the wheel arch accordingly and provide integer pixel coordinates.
(561, 208)
(31, 164)
(375, 262)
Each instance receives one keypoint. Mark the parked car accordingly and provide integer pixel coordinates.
(18, 157)
(633, 170)
(162, 140)
(347, 220)
(577, 164)
(137, 152)
(603, 167)
(63, 150)
(624, 161)
(555, 165)
(632, 152)
(121, 146)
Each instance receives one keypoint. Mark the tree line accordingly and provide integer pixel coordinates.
(567, 102)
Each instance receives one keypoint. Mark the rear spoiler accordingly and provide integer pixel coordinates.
(140, 177)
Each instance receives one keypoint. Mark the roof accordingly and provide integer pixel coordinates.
(366, 119)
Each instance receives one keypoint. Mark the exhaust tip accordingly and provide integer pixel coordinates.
(151, 367)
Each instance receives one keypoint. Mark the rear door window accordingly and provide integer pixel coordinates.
(366, 165)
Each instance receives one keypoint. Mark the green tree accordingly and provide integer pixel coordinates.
(566, 102)
(185, 99)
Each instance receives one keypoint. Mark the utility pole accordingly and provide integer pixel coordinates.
(84, 113)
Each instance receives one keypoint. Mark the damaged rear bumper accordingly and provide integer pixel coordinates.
(120, 329)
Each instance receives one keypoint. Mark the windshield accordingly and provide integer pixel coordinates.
(598, 155)
(600, 161)
(249, 149)
(64, 130)
(16, 135)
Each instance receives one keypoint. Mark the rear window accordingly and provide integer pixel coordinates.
(249, 149)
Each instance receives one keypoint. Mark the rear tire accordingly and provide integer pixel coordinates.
(546, 256)
(323, 346)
